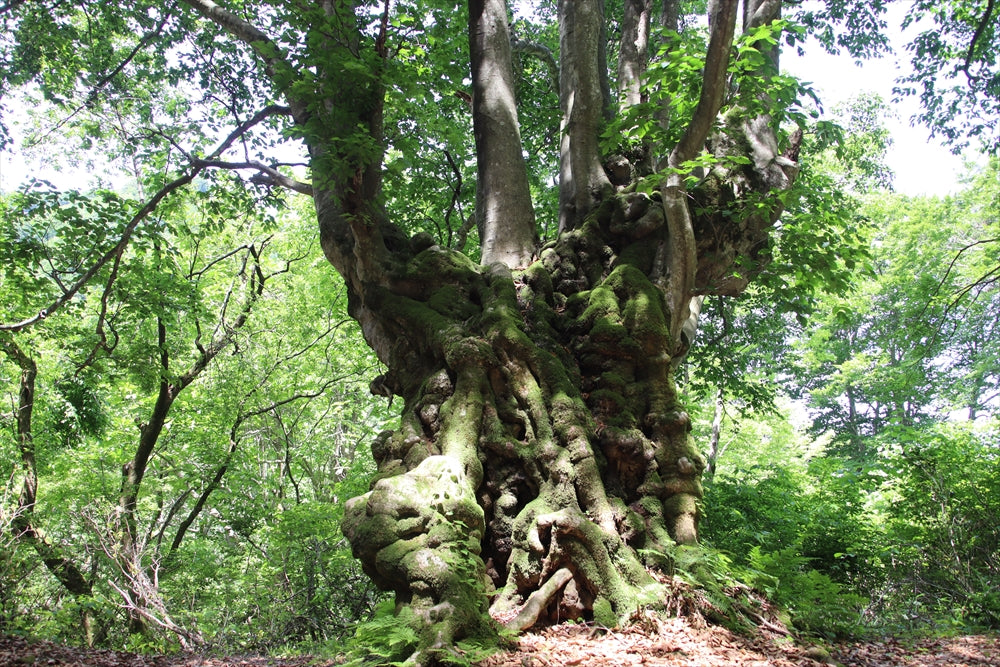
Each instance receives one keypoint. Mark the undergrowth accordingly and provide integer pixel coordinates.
(388, 639)
(775, 591)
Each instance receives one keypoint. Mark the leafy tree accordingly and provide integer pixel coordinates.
(542, 443)
(118, 444)
(955, 70)
(942, 510)
(894, 374)
(914, 341)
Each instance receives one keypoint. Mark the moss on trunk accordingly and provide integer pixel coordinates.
(542, 446)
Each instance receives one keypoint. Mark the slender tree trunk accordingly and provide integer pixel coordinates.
(504, 212)
(129, 553)
(714, 443)
(582, 181)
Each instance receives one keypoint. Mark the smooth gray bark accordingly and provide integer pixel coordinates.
(582, 181)
(634, 52)
(504, 212)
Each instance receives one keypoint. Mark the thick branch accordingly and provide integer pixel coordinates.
(582, 181)
(25, 407)
(246, 32)
(762, 13)
(670, 15)
(266, 176)
(680, 258)
(634, 51)
(971, 53)
(541, 52)
(134, 471)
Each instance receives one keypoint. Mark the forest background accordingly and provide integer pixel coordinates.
(848, 408)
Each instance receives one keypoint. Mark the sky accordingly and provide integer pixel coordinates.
(922, 166)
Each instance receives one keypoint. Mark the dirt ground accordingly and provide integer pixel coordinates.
(669, 643)
(675, 643)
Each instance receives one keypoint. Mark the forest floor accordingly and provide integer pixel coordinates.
(673, 643)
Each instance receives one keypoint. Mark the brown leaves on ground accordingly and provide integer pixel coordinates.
(974, 651)
(673, 642)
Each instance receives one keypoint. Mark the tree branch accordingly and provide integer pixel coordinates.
(951, 266)
(677, 262)
(96, 88)
(243, 30)
(541, 52)
(23, 527)
(234, 442)
(764, 13)
(144, 41)
(266, 176)
(970, 54)
(713, 87)
(195, 168)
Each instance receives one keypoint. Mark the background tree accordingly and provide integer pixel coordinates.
(130, 416)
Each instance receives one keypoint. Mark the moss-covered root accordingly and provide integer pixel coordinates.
(419, 534)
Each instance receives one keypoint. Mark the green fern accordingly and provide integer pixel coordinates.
(384, 640)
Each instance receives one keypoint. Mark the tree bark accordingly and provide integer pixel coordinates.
(634, 52)
(504, 211)
(582, 181)
(542, 445)
(546, 436)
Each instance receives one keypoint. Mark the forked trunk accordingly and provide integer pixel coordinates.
(543, 458)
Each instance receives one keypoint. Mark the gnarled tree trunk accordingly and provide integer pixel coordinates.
(543, 452)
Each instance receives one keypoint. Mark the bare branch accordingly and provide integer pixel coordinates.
(144, 41)
(95, 90)
(266, 176)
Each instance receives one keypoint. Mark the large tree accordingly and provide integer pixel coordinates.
(542, 445)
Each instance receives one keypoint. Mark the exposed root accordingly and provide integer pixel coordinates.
(539, 600)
